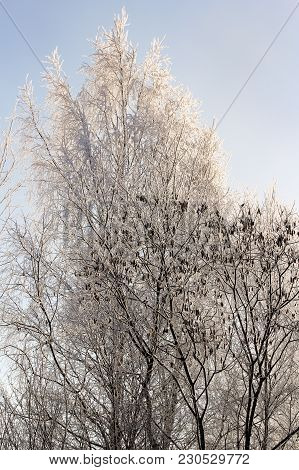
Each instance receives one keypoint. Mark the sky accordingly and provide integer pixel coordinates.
(213, 46)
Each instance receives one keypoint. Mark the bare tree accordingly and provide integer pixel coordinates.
(257, 267)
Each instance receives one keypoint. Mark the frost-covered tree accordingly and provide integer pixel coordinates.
(256, 265)
(126, 173)
(141, 309)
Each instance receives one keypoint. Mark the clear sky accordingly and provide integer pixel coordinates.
(213, 46)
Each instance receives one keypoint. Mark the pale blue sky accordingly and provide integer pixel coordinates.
(213, 45)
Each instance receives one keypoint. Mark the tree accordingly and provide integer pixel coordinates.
(257, 268)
